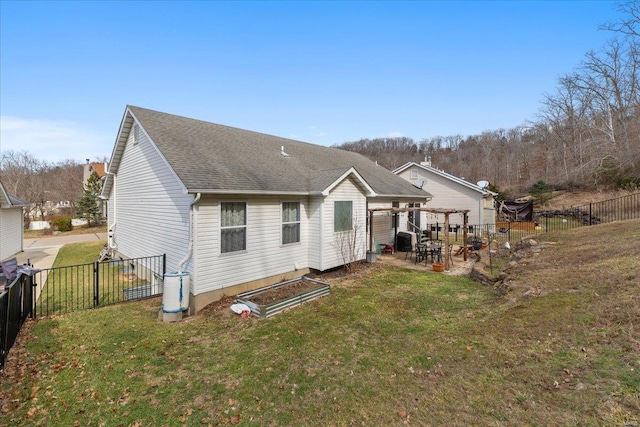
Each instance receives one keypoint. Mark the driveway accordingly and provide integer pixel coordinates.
(41, 252)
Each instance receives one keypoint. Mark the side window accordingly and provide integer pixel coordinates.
(342, 216)
(233, 226)
(290, 222)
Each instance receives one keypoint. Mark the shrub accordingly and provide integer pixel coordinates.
(628, 184)
(61, 223)
(541, 191)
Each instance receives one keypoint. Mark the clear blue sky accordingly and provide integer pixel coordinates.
(321, 72)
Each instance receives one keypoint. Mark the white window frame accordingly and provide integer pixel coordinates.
(296, 222)
(335, 210)
(231, 227)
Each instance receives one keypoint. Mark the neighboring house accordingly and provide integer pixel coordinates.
(237, 209)
(101, 169)
(450, 192)
(11, 224)
(89, 168)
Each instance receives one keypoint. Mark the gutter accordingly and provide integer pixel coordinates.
(254, 192)
(190, 248)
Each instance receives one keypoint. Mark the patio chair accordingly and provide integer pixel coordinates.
(422, 253)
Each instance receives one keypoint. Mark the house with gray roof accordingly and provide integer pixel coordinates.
(238, 209)
(11, 224)
(452, 192)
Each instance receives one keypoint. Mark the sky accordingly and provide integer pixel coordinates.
(324, 72)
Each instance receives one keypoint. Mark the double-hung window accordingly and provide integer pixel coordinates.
(233, 226)
(342, 216)
(290, 222)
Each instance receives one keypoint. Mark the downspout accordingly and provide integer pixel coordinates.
(321, 238)
(112, 227)
(190, 248)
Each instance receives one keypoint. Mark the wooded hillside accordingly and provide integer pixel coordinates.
(587, 133)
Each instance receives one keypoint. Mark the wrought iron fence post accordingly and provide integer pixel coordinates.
(96, 283)
(29, 286)
(590, 215)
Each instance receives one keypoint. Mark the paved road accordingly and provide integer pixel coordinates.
(42, 251)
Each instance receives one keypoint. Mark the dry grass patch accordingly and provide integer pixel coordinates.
(393, 347)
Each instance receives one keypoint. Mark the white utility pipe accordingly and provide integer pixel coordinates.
(190, 249)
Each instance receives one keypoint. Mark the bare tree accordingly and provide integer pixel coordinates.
(629, 22)
(350, 245)
(24, 176)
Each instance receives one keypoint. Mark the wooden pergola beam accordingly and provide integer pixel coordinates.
(442, 211)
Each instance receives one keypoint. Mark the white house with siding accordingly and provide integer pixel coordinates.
(449, 192)
(11, 224)
(237, 209)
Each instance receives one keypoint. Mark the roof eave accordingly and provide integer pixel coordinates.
(118, 150)
(351, 171)
(448, 176)
(227, 192)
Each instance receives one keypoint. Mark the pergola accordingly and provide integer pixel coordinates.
(445, 212)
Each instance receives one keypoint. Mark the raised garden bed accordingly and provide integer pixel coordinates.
(267, 301)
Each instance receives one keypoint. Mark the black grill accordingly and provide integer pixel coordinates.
(403, 242)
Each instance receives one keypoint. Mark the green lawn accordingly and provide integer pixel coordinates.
(70, 286)
(388, 347)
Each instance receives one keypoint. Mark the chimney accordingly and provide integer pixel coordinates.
(427, 161)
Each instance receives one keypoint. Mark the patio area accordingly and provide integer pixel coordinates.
(458, 267)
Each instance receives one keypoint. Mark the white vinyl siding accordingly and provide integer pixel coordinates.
(152, 207)
(449, 194)
(265, 256)
(10, 232)
(331, 254)
(383, 227)
(315, 217)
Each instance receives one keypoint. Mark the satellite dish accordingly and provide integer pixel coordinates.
(483, 183)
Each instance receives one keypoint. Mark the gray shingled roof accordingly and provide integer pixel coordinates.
(209, 157)
(7, 200)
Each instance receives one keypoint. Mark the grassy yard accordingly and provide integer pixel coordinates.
(387, 347)
(83, 229)
(70, 286)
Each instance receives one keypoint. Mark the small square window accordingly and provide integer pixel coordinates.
(342, 216)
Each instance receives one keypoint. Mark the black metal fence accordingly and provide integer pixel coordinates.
(15, 307)
(62, 290)
(617, 209)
